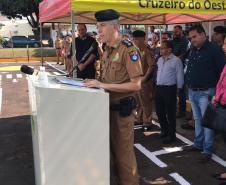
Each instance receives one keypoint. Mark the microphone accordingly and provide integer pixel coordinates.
(28, 70)
(88, 52)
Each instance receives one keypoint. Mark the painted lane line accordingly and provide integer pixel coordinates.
(187, 141)
(167, 150)
(150, 155)
(219, 160)
(19, 75)
(56, 73)
(9, 76)
(179, 179)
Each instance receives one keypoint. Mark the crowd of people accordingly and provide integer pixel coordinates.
(139, 75)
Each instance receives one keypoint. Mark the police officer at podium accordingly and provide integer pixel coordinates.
(121, 78)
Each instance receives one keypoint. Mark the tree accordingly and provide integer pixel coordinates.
(25, 8)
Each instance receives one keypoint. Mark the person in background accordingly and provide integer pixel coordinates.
(218, 35)
(166, 36)
(150, 35)
(145, 95)
(170, 78)
(222, 176)
(86, 67)
(180, 47)
(58, 49)
(121, 78)
(204, 65)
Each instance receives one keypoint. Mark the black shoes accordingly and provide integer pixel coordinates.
(180, 114)
(205, 158)
(169, 140)
(191, 148)
(218, 176)
(163, 135)
(187, 126)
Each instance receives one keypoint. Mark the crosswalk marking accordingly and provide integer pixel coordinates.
(19, 75)
(179, 179)
(9, 76)
(150, 155)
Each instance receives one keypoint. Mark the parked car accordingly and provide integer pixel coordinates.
(23, 41)
(5, 42)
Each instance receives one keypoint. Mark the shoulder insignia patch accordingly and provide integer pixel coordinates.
(134, 56)
(127, 43)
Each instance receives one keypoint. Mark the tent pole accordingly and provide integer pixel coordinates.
(41, 24)
(146, 31)
(73, 42)
(210, 31)
(160, 34)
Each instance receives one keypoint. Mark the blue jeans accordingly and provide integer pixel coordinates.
(204, 137)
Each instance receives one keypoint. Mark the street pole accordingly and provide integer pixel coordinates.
(41, 24)
(73, 42)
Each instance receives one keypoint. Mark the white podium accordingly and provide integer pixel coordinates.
(70, 133)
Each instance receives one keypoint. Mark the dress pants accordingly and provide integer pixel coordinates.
(123, 160)
(165, 104)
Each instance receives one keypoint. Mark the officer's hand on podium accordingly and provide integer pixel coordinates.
(92, 83)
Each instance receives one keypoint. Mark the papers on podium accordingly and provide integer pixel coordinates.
(67, 81)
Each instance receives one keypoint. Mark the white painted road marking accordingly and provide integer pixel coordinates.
(167, 150)
(179, 179)
(150, 155)
(187, 141)
(9, 76)
(14, 80)
(56, 73)
(19, 75)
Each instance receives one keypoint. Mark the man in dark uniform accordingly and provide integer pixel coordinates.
(145, 95)
(86, 66)
(121, 78)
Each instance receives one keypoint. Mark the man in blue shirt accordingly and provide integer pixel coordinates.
(204, 65)
(170, 77)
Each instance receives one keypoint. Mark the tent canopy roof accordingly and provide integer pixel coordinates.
(60, 11)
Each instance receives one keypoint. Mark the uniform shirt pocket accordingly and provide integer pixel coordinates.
(116, 70)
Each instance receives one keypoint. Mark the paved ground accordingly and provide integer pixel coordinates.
(157, 163)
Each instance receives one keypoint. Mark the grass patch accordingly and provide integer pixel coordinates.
(23, 52)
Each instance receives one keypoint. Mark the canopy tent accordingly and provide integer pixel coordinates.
(134, 11)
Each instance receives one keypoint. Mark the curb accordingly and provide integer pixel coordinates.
(25, 59)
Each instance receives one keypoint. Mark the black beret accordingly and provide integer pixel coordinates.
(106, 15)
(220, 29)
(139, 33)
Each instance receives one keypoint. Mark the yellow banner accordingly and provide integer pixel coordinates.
(153, 6)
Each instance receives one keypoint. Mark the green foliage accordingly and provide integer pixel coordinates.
(19, 8)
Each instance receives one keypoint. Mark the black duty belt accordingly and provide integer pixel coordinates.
(115, 107)
(199, 88)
